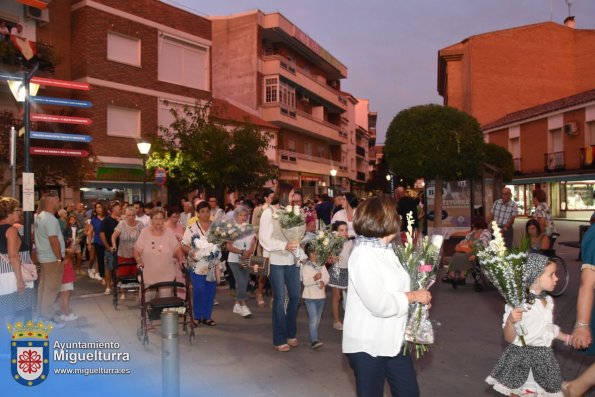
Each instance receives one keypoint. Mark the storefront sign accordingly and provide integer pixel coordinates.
(119, 174)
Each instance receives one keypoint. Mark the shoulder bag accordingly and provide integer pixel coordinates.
(28, 270)
(257, 264)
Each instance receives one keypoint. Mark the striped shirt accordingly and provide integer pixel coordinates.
(504, 212)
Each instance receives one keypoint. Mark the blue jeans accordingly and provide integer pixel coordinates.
(241, 277)
(314, 307)
(284, 323)
(203, 295)
(370, 373)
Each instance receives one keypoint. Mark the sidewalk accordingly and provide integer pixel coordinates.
(237, 358)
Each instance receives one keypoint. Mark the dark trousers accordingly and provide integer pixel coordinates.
(100, 253)
(370, 373)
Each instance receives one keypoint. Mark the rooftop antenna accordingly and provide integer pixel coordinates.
(569, 4)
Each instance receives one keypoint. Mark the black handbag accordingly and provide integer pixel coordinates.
(258, 265)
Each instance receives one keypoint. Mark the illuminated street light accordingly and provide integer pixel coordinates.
(144, 148)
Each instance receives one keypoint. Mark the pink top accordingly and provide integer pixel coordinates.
(157, 255)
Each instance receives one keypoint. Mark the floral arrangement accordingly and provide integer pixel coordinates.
(505, 270)
(326, 244)
(290, 216)
(228, 230)
(420, 257)
(293, 225)
(203, 251)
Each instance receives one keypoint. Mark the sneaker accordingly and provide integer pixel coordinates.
(59, 324)
(245, 312)
(338, 326)
(317, 344)
(215, 302)
(123, 296)
(91, 273)
(70, 317)
(108, 291)
(237, 309)
(102, 282)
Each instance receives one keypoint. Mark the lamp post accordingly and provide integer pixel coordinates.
(144, 148)
(22, 90)
(391, 178)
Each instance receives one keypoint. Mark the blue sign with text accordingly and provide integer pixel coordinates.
(59, 136)
(45, 100)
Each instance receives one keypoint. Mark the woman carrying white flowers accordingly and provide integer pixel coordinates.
(203, 273)
(284, 272)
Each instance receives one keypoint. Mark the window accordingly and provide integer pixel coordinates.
(183, 63)
(322, 152)
(291, 145)
(577, 196)
(276, 91)
(591, 133)
(514, 147)
(123, 49)
(271, 88)
(308, 149)
(124, 122)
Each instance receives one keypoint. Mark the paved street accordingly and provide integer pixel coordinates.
(236, 356)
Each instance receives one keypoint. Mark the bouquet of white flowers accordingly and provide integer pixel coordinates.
(202, 252)
(228, 230)
(326, 244)
(293, 225)
(420, 257)
(505, 270)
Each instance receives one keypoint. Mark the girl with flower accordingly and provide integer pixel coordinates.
(528, 366)
(284, 272)
(338, 273)
(203, 273)
(315, 277)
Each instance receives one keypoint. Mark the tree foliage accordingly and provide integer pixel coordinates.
(199, 151)
(500, 157)
(377, 181)
(433, 141)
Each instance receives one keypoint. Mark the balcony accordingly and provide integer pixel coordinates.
(296, 161)
(360, 151)
(554, 162)
(303, 122)
(276, 64)
(587, 156)
(360, 176)
(44, 55)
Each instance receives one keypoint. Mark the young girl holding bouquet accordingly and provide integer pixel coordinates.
(338, 273)
(314, 278)
(529, 367)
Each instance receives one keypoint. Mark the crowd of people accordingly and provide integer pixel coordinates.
(363, 279)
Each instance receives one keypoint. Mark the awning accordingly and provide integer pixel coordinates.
(35, 3)
(552, 178)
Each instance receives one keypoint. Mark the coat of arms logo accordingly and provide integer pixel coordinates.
(29, 352)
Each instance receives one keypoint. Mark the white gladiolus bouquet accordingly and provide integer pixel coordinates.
(505, 270)
(293, 225)
(325, 244)
(228, 230)
(203, 251)
(421, 258)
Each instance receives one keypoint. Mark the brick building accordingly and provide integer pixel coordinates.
(531, 88)
(266, 65)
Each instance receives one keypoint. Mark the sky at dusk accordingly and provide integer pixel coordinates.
(390, 46)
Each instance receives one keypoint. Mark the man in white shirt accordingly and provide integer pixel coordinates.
(186, 213)
(216, 212)
(139, 207)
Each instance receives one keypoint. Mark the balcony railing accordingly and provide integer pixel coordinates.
(554, 161)
(360, 151)
(44, 55)
(587, 157)
(292, 156)
(361, 176)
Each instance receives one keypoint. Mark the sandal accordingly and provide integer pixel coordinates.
(210, 322)
(283, 348)
(259, 300)
(293, 342)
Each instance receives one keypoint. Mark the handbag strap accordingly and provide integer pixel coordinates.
(255, 247)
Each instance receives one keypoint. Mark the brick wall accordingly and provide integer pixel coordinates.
(533, 146)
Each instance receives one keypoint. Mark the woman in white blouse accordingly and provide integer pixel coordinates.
(377, 305)
(347, 214)
(284, 273)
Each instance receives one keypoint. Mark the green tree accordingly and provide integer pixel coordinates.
(202, 150)
(435, 142)
(377, 181)
(501, 158)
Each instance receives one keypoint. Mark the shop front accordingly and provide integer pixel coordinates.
(121, 183)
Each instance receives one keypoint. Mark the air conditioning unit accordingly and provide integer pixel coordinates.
(37, 14)
(571, 128)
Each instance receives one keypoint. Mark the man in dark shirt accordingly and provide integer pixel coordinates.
(324, 209)
(406, 204)
(108, 226)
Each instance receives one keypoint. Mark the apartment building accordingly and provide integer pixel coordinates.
(266, 65)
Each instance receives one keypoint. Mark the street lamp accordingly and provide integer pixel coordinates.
(22, 91)
(144, 148)
(391, 178)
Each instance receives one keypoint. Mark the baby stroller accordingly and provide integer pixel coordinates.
(151, 308)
